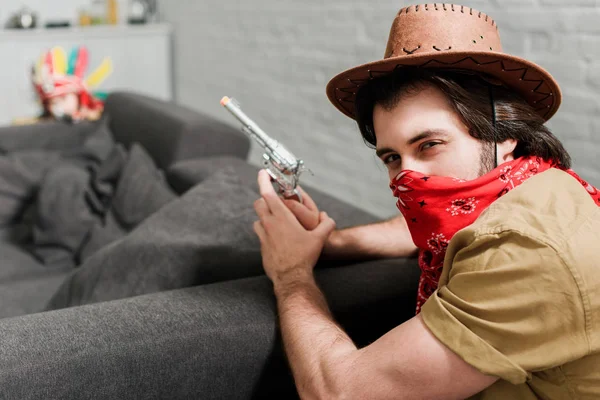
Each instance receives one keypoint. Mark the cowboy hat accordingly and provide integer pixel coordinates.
(449, 36)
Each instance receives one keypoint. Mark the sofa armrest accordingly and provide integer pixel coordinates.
(213, 341)
(171, 132)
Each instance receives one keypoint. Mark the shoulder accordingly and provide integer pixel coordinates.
(548, 208)
(535, 223)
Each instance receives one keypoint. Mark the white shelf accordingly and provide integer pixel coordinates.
(85, 32)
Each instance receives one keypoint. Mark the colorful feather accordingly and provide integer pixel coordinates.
(82, 62)
(59, 59)
(100, 73)
(38, 68)
(72, 60)
(49, 63)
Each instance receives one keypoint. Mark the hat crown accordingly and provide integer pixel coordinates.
(444, 36)
(441, 27)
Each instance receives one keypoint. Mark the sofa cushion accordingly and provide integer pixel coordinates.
(204, 236)
(22, 171)
(141, 190)
(26, 286)
(20, 175)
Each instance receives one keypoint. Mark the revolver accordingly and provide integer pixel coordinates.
(283, 167)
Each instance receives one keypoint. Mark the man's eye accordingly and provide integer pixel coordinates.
(390, 158)
(428, 145)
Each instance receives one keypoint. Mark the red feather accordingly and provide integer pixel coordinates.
(49, 62)
(82, 62)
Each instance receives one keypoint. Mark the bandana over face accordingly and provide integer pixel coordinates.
(435, 208)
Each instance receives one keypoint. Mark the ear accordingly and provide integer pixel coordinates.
(506, 150)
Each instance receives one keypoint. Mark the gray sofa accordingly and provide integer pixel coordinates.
(217, 340)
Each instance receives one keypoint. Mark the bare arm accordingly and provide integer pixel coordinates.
(309, 332)
(406, 363)
(387, 239)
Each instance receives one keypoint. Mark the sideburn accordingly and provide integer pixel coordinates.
(486, 158)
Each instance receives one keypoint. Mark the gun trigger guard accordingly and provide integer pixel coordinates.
(296, 196)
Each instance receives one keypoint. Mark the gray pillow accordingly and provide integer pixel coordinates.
(202, 237)
(62, 217)
(73, 195)
(101, 235)
(99, 144)
(20, 176)
(141, 189)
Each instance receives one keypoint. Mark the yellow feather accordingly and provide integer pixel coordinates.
(59, 58)
(99, 74)
(38, 68)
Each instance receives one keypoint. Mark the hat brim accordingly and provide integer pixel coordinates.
(533, 83)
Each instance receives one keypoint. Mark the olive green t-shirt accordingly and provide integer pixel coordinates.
(519, 296)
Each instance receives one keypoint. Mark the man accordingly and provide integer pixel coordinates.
(508, 304)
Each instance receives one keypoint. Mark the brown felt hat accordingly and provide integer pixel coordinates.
(449, 36)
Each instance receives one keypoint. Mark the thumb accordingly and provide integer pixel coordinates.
(326, 225)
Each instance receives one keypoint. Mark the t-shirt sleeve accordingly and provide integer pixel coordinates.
(511, 306)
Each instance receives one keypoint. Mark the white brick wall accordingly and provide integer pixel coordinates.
(276, 57)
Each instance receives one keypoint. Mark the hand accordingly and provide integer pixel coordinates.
(289, 251)
(306, 212)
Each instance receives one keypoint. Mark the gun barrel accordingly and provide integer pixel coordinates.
(233, 108)
(276, 155)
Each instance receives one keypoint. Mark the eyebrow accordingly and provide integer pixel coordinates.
(417, 138)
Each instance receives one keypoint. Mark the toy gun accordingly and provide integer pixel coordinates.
(283, 167)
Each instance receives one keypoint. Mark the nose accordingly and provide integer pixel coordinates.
(406, 163)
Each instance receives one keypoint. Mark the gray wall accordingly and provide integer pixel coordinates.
(276, 56)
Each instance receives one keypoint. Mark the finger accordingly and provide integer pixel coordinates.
(261, 208)
(264, 182)
(326, 226)
(259, 230)
(268, 193)
(306, 217)
(295, 207)
(307, 200)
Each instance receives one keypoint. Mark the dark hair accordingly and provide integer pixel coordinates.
(469, 95)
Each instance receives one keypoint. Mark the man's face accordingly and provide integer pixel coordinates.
(424, 134)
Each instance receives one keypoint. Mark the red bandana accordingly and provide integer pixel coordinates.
(437, 207)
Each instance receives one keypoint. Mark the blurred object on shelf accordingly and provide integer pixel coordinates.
(22, 19)
(142, 11)
(152, 10)
(98, 12)
(57, 24)
(112, 12)
(85, 18)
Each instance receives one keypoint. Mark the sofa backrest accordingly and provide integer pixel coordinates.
(171, 132)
